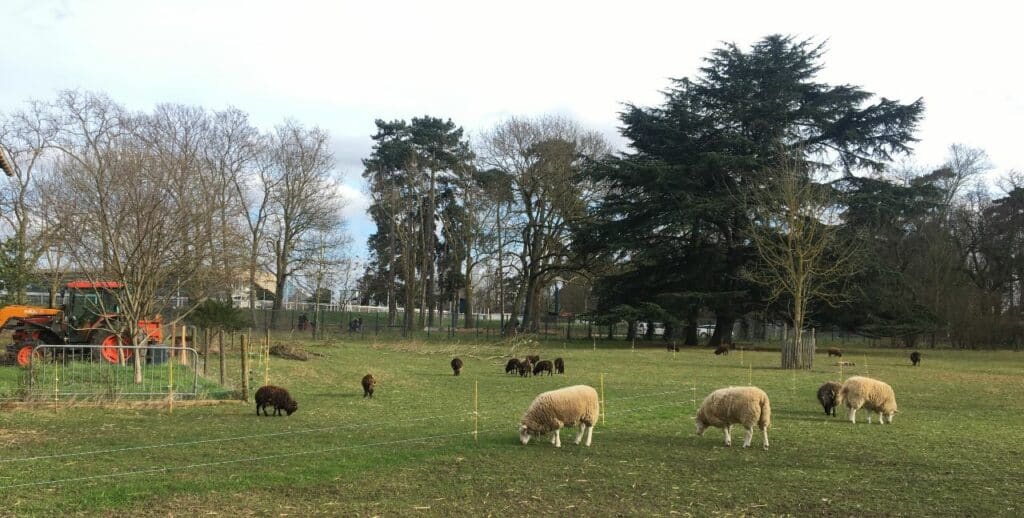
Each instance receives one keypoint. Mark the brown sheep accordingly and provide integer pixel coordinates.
(559, 366)
(915, 358)
(368, 382)
(542, 366)
(525, 367)
(456, 366)
(533, 358)
(722, 349)
(512, 367)
(276, 397)
(828, 395)
(835, 351)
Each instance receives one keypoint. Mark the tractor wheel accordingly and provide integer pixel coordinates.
(26, 354)
(110, 345)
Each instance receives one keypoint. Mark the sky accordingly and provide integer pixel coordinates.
(340, 65)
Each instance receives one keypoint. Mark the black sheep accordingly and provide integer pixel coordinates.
(722, 349)
(559, 366)
(368, 382)
(915, 357)
(457, 366)
(827, 395)
(835, 351)
(512, 367)
(542, 366)
(276, 397)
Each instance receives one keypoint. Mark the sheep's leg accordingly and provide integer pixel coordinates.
(890, 418)
(748, 436)
(728, 437)
(590, 434)
(851, 414)
(869, 417)
(881, 417)
(557, 439)
(765, 430)
(579, 436)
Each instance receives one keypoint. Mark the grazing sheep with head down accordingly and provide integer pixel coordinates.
(552, 410)
(746, 406)
(368, 383)
(874, 395)
(544, 365)
(512, 367)
(456, 366)
(835, 351)
(525, 367)
(915, 358)
(559, 366)
(827, 395)
(722, 349)
(276, 397)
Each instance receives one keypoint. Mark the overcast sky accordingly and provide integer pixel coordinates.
(340, 65)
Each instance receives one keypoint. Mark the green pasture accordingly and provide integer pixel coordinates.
(954, 448)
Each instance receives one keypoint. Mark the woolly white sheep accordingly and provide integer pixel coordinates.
(746, 406)
(569, 406)
(860, 392)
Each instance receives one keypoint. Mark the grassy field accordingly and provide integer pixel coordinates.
(953, 450)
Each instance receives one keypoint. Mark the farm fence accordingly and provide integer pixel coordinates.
(98, 372)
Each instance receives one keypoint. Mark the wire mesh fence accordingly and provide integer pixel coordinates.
(98, 372)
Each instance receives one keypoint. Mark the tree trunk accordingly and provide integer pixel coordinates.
(723, 330)
(470, 319)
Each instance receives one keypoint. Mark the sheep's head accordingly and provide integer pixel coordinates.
(291, 406)
(701, 426)
(524, 434)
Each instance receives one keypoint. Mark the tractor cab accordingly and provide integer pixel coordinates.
(85, 305)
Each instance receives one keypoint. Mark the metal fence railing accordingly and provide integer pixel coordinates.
(97, 372)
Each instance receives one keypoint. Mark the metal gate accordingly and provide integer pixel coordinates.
(98, 372)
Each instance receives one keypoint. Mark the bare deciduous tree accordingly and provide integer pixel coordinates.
(304, 200)
(801, 258)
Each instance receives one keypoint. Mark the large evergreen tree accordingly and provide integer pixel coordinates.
(674, 203)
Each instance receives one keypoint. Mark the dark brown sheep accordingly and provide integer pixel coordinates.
(512, 367)
(276, 397)
(525, 367)
(835, 351)
(533, 358)
(827, 396)
(722, 349)
(915, 358)
(368, 382)
(456, 366)
(544, 365)
(559, 366)
(671, 347)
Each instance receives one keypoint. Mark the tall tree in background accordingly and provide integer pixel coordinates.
(304, 202)
(541, 160)
(410, 165)
(697, 153)
(25, 137)
(801, 257)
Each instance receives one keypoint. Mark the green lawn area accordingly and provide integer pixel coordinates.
(954, 448)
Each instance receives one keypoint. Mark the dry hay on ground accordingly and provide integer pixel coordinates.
(292, 353)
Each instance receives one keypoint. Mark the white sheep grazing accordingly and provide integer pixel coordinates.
(871, 394)
(569, 406)
(746, 406)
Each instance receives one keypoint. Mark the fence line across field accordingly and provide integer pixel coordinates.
(167, 469)
(464, 415)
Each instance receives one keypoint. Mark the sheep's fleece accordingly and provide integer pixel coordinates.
(871, 394)
(746, 406)
(569, 406)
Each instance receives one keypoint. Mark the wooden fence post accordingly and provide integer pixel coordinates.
(245, 367)
(220, 347)
(206, 348)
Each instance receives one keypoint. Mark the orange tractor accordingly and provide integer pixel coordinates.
(87, 316)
